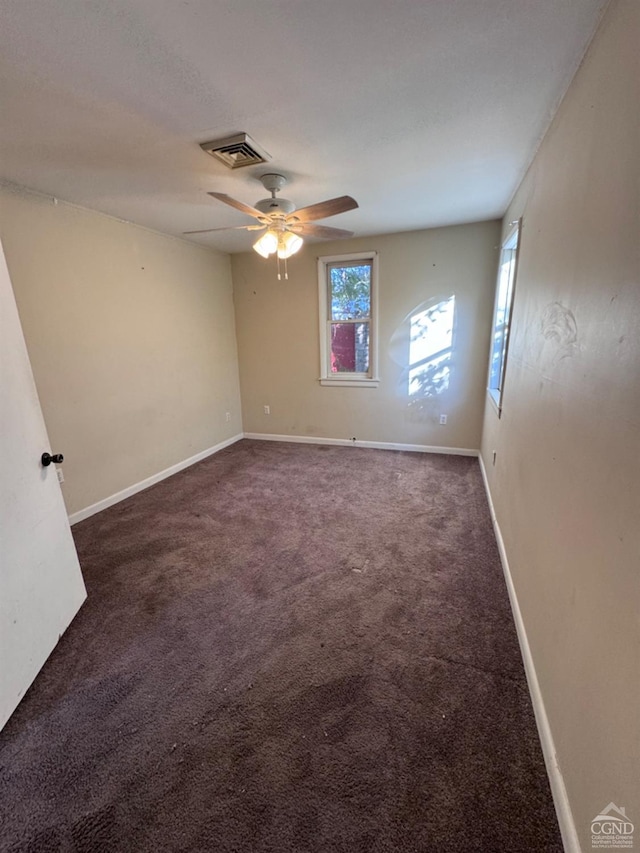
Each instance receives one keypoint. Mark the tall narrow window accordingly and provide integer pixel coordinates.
(502, 315)
(347, 294)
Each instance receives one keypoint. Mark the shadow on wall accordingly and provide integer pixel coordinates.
(423, 346)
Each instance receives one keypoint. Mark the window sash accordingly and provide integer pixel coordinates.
(334, 349)
(367, 262)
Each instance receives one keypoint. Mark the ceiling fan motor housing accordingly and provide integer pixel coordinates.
(274, 206)
(282, 206)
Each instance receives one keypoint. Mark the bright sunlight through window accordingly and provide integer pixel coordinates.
(502, 315)
(430, 342)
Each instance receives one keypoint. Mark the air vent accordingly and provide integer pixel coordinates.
(236, 151)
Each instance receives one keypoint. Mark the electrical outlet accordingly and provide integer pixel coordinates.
(60, 475)
(443, 420)
(267, 410)
(228, 417)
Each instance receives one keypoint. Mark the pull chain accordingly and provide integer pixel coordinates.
(286, 271)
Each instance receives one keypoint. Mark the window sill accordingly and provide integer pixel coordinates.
(350, 383)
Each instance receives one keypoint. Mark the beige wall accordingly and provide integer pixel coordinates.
(277, 328)
(566, 483)
(131, 339)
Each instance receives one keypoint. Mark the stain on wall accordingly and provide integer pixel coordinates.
(559, 329)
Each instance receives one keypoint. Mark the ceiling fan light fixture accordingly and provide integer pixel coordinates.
(267, 244)
(288, 244)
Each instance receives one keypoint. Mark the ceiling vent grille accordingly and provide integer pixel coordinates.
(236, 151)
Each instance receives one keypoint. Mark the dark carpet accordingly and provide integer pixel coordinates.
(285, 648)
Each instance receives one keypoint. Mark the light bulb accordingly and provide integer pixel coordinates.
(267, 244)
(288, 244)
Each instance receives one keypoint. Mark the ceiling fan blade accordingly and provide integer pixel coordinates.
(239, 205)
(308, 229)
(331, 207)
(228, 228)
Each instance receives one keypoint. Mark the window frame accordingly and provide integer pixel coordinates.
(370, 379)
(511, 243)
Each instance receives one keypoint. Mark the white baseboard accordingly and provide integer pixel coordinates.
(75, 517)
(556, 781)
(88, 511)
(378, 445)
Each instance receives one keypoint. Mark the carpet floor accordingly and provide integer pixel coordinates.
(285, 648)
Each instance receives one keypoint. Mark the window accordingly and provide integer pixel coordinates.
(347, 287)
(502, 315)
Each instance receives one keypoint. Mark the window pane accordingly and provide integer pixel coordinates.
(350, 291)
(501, 320)
(496, 357)
(349, 347)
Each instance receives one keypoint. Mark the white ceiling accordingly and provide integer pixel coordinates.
(426, 111)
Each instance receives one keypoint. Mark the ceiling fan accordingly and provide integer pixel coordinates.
(282, 223)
